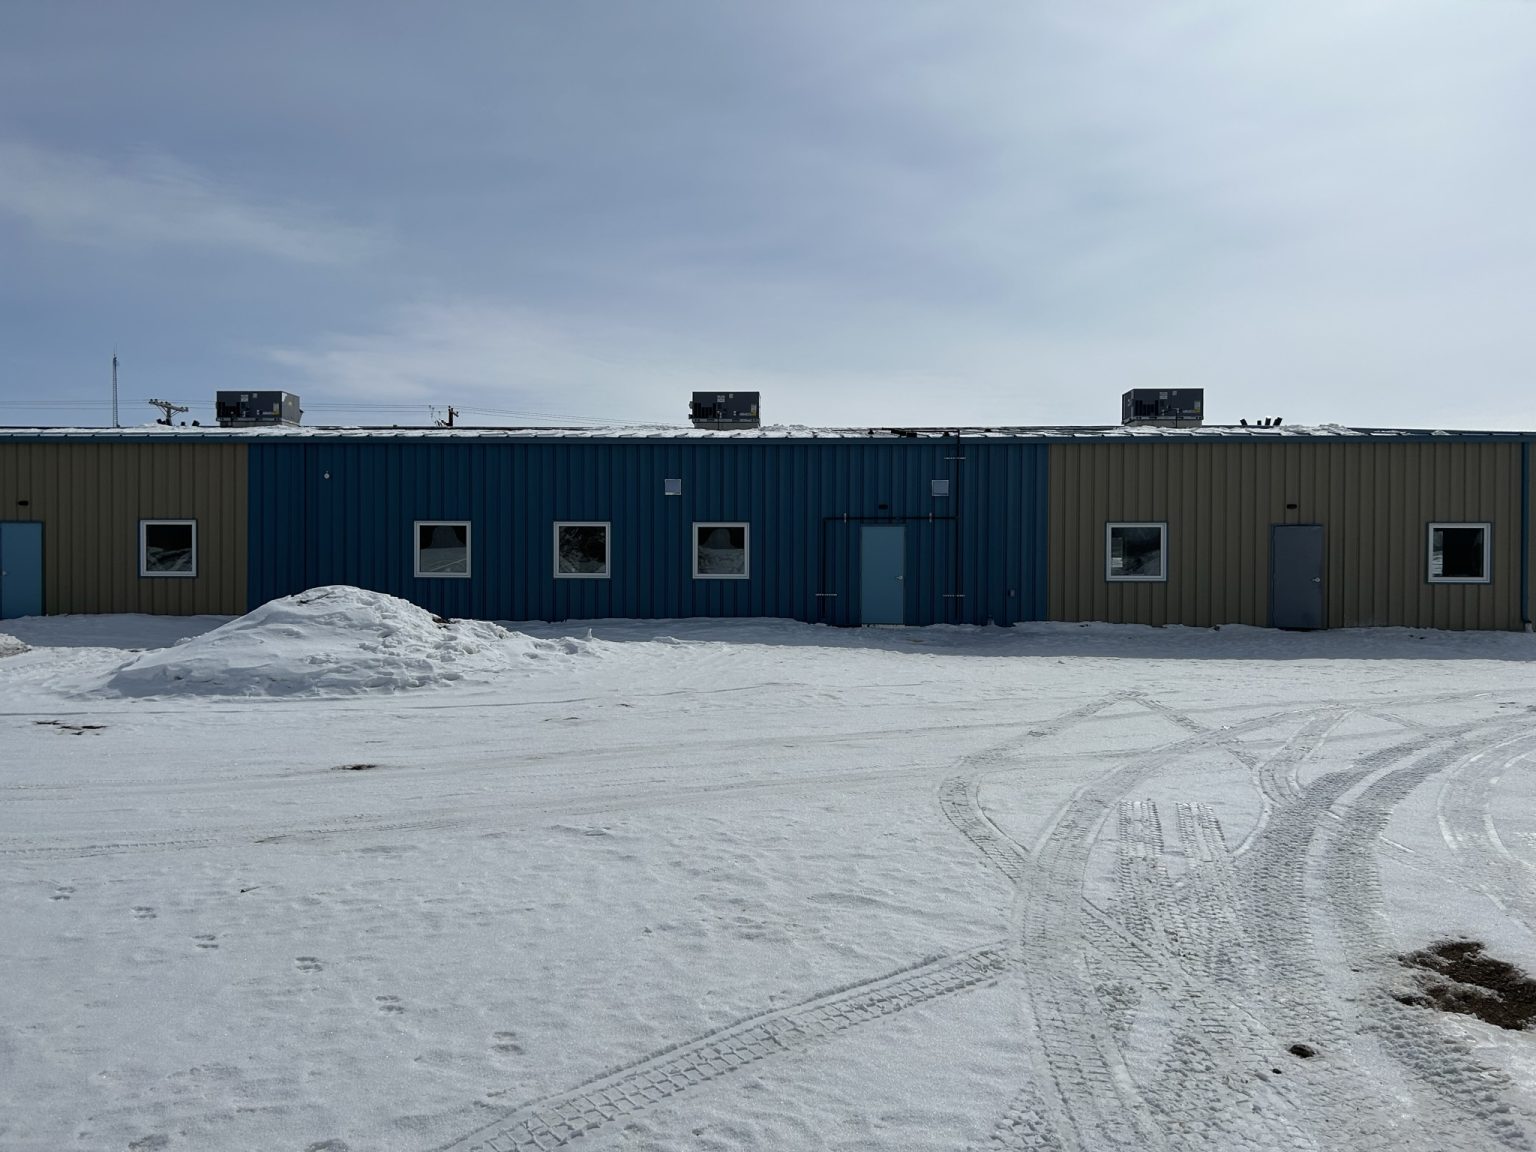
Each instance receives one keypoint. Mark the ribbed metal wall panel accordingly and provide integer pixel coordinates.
(90, 497)
(329, 512)
(1375, 501)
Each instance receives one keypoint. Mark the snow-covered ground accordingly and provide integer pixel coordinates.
(338, 876)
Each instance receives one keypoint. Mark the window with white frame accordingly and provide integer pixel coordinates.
(442, 548)
(1136, 551)
(721, 551)
(167, 547)
(1460, 553)
(581, 550)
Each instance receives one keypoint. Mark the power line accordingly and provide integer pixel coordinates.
(360, 408)
(42, 404)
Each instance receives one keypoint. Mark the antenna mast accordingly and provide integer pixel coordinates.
(168, 408)
(115, 424)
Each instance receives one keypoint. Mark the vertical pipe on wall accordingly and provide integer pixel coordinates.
(956, 503)
(1525, 534)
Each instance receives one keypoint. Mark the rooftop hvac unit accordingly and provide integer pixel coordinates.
(1163, 407)
(724, 410)
(245, 409)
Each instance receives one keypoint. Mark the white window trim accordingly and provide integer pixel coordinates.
(746, 549)
(1429, 552)
(144, 553)
(469, 543)
(1109, 528)
(607, 527)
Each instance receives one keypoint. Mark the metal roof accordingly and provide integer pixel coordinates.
(159, 432)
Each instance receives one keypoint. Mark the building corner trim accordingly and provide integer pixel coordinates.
(1525, 535)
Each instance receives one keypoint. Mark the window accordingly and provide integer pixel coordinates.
(167, 547)
(939, 487)
(1459, 553)
(442, 548)
(720, 552)
(1136, 552)
(581, 551)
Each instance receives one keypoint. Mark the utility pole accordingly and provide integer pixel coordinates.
(115, 424)
(448, 423)
(168, 408)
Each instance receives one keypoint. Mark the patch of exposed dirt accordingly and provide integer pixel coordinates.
(1457, 976)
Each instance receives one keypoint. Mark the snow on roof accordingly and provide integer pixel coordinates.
(767, 432)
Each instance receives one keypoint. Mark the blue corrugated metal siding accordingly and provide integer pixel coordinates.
(341, 512)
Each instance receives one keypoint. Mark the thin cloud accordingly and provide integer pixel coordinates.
(158, 202)
(508, 363)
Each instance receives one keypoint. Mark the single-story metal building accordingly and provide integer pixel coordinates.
(1290, 527)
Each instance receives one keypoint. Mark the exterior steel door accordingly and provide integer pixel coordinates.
(21, 569)
(882, 587)
(1296, 576)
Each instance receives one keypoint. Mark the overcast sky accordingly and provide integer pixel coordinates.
(873, 213)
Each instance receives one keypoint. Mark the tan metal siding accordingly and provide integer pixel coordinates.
(1375, 502)
(91, 496)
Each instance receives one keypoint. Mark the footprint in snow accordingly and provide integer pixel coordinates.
(62, 892)
(308, 964)
(206, 941)
(143, 912)
(389, 1005)
(505, 1043)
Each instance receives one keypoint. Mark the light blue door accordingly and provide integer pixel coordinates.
(21, 570)
(882, 587)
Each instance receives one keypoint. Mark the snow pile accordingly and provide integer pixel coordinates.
(335, 641)
(10, 646)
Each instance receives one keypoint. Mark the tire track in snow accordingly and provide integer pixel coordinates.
(1278, 779)
(962, 808)
(1465, 811)
(1215, 943)
(1474, 1095)
(1185, 1104)
(1172, 715)
(1275, 884)
(961, 804)
(1076, 1059)
(1087, 1084)
(1285, 975)
(555, 1121)
(1210, 1081)
(1144, 887)
(344, 827)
